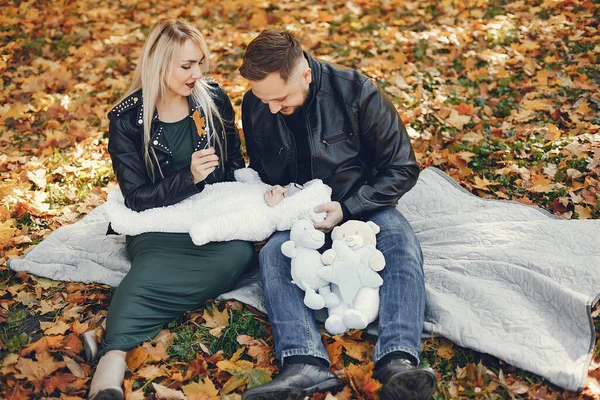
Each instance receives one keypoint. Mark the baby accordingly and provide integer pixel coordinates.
(247, 209)
(277, 193)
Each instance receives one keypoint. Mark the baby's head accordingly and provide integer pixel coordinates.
(277, 193)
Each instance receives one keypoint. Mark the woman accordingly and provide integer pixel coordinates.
(172, 133)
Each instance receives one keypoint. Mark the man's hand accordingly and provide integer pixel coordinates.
(334, 215)
(204, 162)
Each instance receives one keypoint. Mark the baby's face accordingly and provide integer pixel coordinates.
(277, 193)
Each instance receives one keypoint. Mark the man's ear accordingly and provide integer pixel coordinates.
(307, 76)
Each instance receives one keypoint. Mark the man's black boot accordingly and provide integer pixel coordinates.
(296, 381)
(403, 381)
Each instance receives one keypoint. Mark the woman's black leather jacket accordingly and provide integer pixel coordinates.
(139, 189)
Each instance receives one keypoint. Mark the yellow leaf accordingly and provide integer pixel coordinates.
(522, 116)
(542, 77)
(536, 105)
(51, 328)
(7, 230)
(445, 350)
(583, 212)
(16, 111)
(553, 132)
(44, 283)
(157, 352)
(201, 391)
(481, 183)
(217, 332)
(541, 184)
(26, 299)
(47, 306)
(149, 372)
(216, 318)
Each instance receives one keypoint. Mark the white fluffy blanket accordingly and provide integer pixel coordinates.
(222, 211)
(501, 278)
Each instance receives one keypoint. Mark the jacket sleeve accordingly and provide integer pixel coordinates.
(139, 192)
(232, 136)
(383, 134)
(251, 148)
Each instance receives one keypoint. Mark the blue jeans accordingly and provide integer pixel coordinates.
(402, 295)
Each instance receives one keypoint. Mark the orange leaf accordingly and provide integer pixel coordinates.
(357, 350)
(37, 370)
(73, 343)
(258, 349)
(136, 357)
(465, 109)
(334, 350)
(199, 122)
(44, 344)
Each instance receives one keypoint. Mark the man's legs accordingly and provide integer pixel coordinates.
(294, 327)
(402, 305)
(401, 311)
(298, 343)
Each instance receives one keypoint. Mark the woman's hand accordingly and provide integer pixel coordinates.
(204, 162)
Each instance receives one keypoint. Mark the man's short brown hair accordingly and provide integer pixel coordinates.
(271, 51)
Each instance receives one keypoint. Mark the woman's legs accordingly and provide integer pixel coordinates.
(169, 275)
(108, 378)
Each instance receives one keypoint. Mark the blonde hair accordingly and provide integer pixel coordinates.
(161, 47)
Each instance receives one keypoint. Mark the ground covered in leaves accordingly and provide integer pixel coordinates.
(503, 96)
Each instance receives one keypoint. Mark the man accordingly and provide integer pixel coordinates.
(306, 119)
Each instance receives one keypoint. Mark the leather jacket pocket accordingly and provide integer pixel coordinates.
(335, 138)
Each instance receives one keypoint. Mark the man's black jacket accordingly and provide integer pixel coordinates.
(358, 143)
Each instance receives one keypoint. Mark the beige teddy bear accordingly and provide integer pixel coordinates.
(351, 266)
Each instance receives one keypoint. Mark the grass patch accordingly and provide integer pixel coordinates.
(190, 335)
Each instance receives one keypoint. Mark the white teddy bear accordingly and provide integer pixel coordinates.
(350, 266)
(306, 262)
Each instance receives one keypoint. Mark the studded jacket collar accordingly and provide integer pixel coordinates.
(142, 189)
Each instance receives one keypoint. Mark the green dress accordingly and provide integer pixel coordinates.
(169, 274)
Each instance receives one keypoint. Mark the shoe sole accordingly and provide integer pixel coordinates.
(417, 384)
(332, 385)
(108, 394)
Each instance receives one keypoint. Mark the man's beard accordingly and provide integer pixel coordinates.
(294, 109)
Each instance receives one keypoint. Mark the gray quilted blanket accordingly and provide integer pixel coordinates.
(502, 278)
